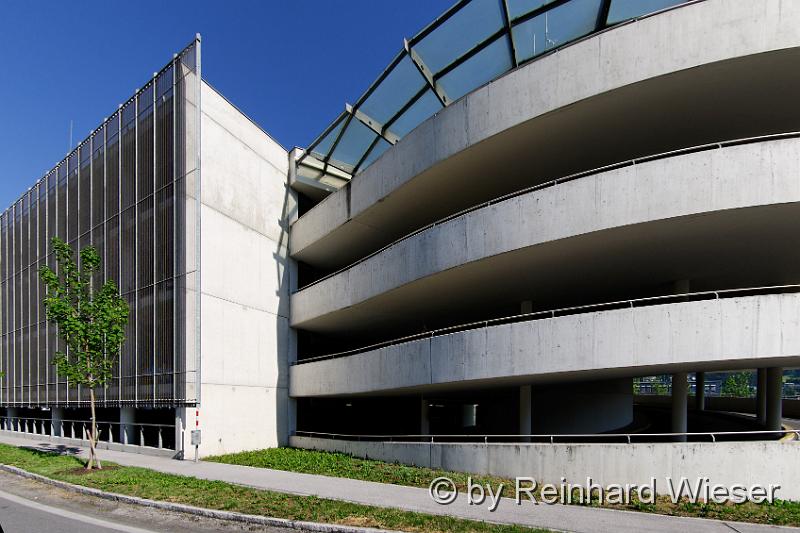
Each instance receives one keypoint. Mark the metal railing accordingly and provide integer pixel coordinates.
(564, 311)
(141, 434)
(606, 438)
(557, 181)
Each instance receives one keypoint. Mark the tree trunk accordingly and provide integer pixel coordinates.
(93, 437)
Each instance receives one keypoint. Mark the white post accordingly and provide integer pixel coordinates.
(774, 395)
(127, 417)
(761, 397)
(700, 391)
(680, 389)
(424, 420)
(525, 425)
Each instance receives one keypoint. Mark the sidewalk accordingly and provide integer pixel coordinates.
(556, 517)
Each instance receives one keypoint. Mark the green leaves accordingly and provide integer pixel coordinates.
(91, 322)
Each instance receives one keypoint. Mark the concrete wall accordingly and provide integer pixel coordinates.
(687, 185)
(649, 48)
(245, 283)
(723, 462)
(743, 332)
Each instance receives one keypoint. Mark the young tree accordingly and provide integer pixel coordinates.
(737, 384)
(91, 323)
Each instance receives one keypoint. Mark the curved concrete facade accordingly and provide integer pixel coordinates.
(657, 158)
(744, 332)
(374, 207)
(743, 176)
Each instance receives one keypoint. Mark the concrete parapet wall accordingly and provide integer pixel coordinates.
(751, 175)
(726, 463)
(652, 47)
(729, 333)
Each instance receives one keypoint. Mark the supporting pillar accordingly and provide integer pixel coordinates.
(525, 412)
(56, 416)
(11, 423)
(180, 435)
(774, 393)
(424, 420)
(680, 389)
(127, 416)
(700, 391)
(761, 396)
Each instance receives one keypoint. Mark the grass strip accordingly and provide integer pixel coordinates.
(218, 495)
(343, 465)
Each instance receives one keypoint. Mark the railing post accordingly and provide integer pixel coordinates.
(125, 434)
(72, 429)
(160, 441)
(141, 435)
(110, 433)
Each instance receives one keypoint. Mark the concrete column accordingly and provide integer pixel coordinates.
(424, 420)
(680, 389)
(127, 415)
(700, 391)
(180, 427)
(761, 396)
(56, 416)
(11, 413)
(525, 426)
(774, 394)
(681, 286)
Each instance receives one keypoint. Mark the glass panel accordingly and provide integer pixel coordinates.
(128, 179)
(399, 86)
(423, 108)
(555, 27)
(474, 23)
(626, 9)
(517, 8)
(354, 143)
(85, 190)
(380, 147)
(324, 146)
(488, 64)
(112, 168)
(144, 148)
(145, 243)
(98, 179)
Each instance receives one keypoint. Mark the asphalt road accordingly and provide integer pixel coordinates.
(31, 507)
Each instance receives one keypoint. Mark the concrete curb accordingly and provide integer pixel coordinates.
(196, 511)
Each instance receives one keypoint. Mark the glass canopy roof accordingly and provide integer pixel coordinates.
(472, 43)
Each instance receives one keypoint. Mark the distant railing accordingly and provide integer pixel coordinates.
(557, 181)
(141, 434)
(564, 311)
(624, 438)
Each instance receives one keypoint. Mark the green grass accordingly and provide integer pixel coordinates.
(342, 465)
(228, 497)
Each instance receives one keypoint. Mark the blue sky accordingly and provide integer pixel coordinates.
(289, 64)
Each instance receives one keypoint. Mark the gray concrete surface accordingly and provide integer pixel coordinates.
(562, 518)
(30, 507)
(626, 56)
(641, 197)
(743, 332)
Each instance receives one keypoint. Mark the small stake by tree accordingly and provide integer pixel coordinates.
(91, 323)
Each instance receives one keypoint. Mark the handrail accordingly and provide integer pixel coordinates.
(557, 181)
(551, 438)
(553, 313)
